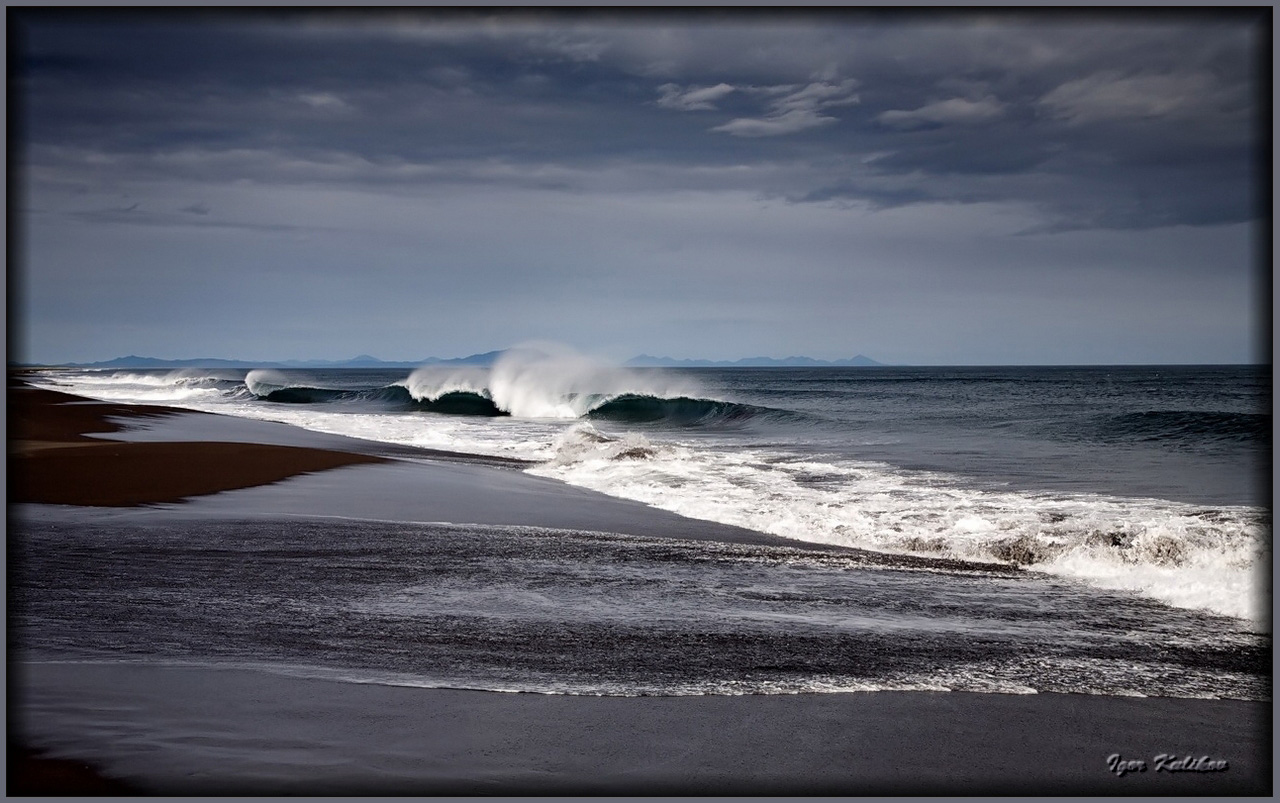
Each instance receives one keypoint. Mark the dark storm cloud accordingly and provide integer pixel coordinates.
(1115, 111)
(411, 182)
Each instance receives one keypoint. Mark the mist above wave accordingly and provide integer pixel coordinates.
(545, 382)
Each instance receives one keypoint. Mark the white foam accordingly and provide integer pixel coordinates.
(175, 386)
(1182, 555)
(431, 382)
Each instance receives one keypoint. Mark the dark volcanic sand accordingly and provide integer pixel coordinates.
(53, 461)
(189, 730)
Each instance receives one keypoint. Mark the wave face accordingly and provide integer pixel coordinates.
(278, 388)
(632, 408)
(303, 395)
(460, 402)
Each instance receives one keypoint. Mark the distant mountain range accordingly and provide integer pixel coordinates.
(487, 358)
(362, 361)
(749, 362)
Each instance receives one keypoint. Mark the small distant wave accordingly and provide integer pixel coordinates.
(1187, 425)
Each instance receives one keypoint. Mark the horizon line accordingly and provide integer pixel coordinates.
(427, 361)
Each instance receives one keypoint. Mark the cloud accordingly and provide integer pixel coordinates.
(1111, 96)
(576, 49)
(693, 98)
(775, 125)
(410, 102)
(796, 111)
(133, 216)
(324, 100)
(955, 110)
(459, 155)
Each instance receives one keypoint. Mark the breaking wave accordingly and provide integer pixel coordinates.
(529, 385)
(275, 387)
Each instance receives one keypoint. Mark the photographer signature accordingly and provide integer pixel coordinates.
(1165, 762)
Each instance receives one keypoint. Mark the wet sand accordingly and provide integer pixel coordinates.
(32, 773)
(190, 730)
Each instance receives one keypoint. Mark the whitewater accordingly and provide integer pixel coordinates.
(1146, 480)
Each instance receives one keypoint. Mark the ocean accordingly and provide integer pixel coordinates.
(1104, 530)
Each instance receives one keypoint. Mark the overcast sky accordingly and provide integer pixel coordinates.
(922, 189)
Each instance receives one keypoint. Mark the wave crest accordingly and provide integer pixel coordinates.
(554, 382)
(262, 382)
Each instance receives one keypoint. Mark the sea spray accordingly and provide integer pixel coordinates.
(431, 382)
(544, 382)
(262, 381)
(556, 382)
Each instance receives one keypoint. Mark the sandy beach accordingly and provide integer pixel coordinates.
(55, 461)
(169, 728)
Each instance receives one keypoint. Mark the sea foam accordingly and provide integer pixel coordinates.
(1180, 554)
